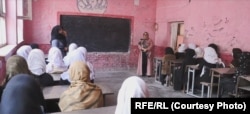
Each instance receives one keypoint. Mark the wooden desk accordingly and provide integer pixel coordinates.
(243, 85)
(221, 72)
(101, 110)
(191, 69)
(54, 92)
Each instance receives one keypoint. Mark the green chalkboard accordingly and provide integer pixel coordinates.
(98, 34)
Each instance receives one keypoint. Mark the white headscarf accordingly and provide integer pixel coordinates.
(199, 52)
(72, 47)
(210, 55)
(182, 48)
(83, 50)
(78, 55)
(36, 62)
(191, 46)
(132, 87)
(24, 51)
(55, 60)
(75, 55)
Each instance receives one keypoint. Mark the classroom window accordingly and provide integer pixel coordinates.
(2, 23)
(23, 13)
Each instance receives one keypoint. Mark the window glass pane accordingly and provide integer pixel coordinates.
(19, 7)
(19, 30)
(4, 10)
(2, 31)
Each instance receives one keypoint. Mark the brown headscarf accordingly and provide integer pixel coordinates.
(82, 94)
(16, 65)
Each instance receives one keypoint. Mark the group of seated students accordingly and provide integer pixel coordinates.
(23, 94)
(27, 74)
(205, 59)
(78, 73)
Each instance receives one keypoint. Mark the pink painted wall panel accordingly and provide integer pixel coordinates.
(46, 14)
(224, 22)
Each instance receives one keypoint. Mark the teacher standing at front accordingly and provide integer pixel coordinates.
(145, 56)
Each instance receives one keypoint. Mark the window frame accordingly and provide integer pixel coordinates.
(3, 26)
(23, 12)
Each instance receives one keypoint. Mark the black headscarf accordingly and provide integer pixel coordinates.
(216, 48)
(56, 35)
(34, 46)
(236, 54)
(22, 95)
(189, 53)
(169, 50)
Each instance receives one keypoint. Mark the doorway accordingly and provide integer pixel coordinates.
(176, 34)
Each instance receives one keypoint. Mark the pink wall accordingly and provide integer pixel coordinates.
(46, 15)
(224, 22)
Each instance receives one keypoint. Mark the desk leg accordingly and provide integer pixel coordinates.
(218, 90)
(188, 80)
(193, 71)
(212, 80)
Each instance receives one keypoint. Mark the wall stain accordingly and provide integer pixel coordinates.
(218, 22)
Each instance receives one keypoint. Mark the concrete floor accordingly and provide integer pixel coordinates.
(115, 79)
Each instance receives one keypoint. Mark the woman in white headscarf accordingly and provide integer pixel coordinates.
(24, 51)
(72, 47)
(78, 55)
(37, 66)
(55, 59)
(132, 87)
(90, 65)
(191, 46)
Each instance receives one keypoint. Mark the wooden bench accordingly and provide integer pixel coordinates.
(101, 110)
(208, 85)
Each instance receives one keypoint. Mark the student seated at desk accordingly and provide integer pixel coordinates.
(37, 66)
(180, 79)
(24, 51)
(55, 59)
(72, 47)
(132, 87)
(81, 94)
(180, 54)
(79, 54)
(215, 47)
(199, 54)
(22, 95)
(166, 70)
(228, 83)
(15, 65)
(210, 60)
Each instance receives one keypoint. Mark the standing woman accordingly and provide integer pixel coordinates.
(145, 58)
(58, 39)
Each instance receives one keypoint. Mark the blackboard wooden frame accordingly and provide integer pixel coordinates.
(114, 46)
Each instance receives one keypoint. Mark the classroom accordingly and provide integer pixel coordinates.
(112, 33)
